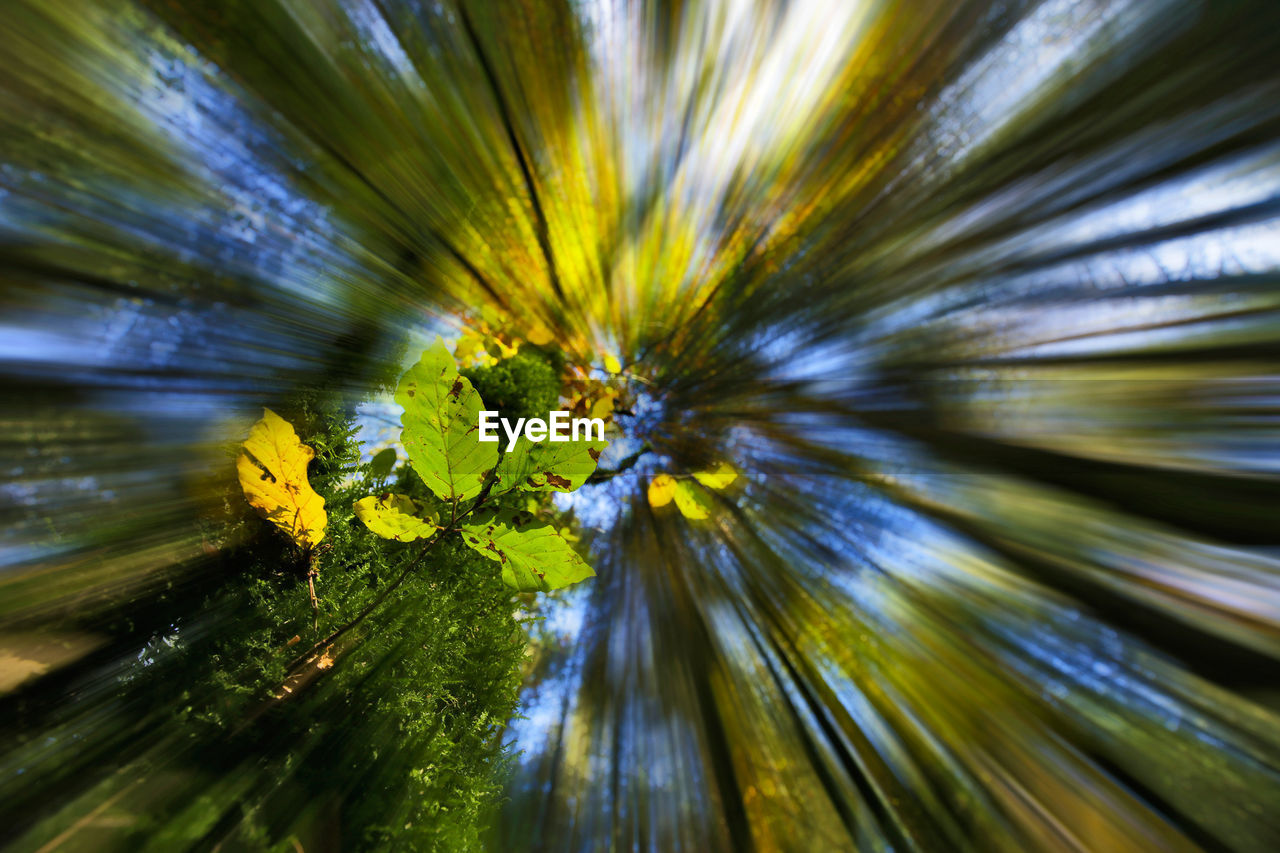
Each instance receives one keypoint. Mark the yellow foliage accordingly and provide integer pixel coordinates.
(499, 349)
(470, 349)
(718, 478)
(603, 407)
(481, 346)
(273, 473)
(692, 501)
(662, 489)
(397, 517)
(540, 335)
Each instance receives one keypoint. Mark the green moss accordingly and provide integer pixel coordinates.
(527, 385)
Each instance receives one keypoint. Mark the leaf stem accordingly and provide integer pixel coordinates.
(312, 571)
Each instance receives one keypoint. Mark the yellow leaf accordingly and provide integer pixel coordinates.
(612, 365)
(718, 478)
(470, 350)
(505, 351)
(273, 473)
(397, 517)
(602, 408)
(692, 501)
(662, 489)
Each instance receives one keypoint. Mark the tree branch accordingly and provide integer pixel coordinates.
(625, 465)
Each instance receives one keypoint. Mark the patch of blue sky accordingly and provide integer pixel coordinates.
(252, 173)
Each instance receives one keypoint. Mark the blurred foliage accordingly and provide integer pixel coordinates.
(390, 733)
(979, 299)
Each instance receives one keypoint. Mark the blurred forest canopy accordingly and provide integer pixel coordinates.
(978, 298)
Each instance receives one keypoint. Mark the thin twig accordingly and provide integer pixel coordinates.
(623, 466)
(312, 571)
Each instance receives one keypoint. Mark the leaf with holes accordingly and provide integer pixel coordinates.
(441, 414)
(533, 555)
(547, 466)
(397, 517)
(272, 467)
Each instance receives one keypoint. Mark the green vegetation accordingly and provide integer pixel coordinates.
(527, 385)
(426, 680)
(243, 732)
(470, 478)
(312, 683)
(387, 605)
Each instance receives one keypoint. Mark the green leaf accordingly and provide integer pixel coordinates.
(441, 414)
(547, 466)
(381, 464)
(692, 501)
(533, 555)
(397, 517)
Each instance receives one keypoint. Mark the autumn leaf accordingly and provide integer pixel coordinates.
(562, 466)
(470, 349)
(692, 501)
(603, 407)
(662, 489)
(718, 478)
(272, 466)
(533, 555)
(499, 349)
(397, 517)
(483, 347)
